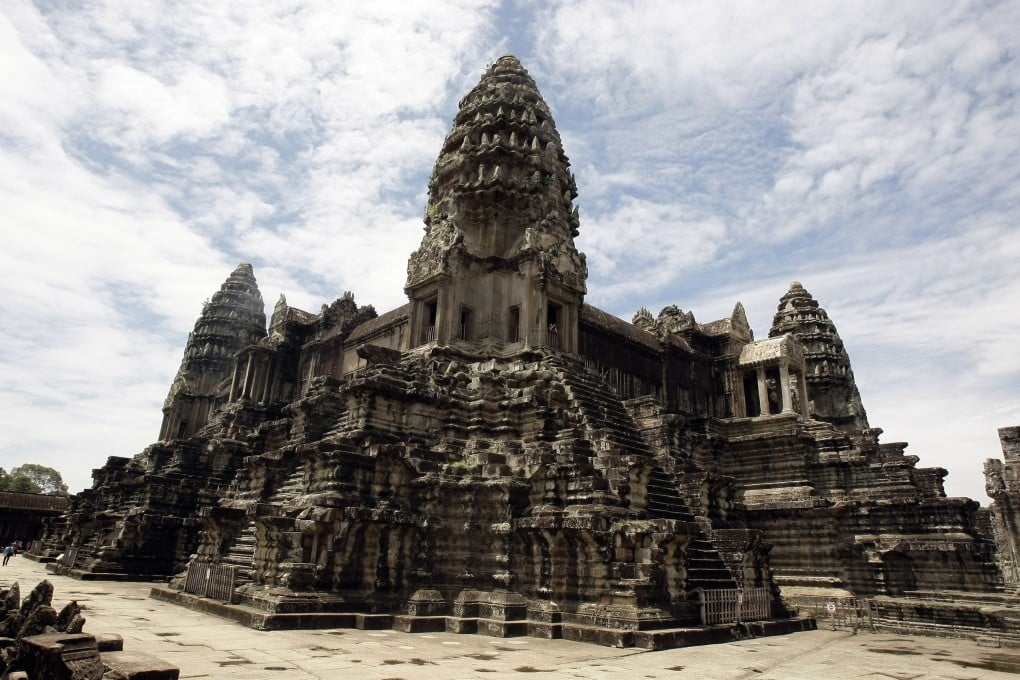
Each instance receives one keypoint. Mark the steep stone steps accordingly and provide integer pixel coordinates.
(705, 567)
(241, 553)
(663, 499)
(295, 485)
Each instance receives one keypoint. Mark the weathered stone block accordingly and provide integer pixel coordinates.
(60, 656)
(135, 666)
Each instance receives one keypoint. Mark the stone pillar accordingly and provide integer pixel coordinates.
(311, 372)
(570, 328)
(256, 380)
(443, 315)
(763, 392)
(803, 394)
(524, 334)
(264, 382)
(784, 387)
(273, 387)
(246, 387)
(233, 383)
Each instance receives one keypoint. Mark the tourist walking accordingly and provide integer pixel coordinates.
(8, 551)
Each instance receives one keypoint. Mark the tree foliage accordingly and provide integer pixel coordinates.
(33, 478)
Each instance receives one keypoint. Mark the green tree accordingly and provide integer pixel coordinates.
(33, 478)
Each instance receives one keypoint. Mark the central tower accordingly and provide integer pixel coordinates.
(497, 270)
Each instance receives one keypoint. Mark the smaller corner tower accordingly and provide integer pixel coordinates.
(497, 270)
(234, 318)
(831, 387)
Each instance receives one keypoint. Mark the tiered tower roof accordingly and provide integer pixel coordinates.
(832, 389)
(233, 318)
(501, 186)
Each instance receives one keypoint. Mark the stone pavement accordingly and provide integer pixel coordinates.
(204, 646)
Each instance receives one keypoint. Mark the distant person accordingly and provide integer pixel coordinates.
(8, 551)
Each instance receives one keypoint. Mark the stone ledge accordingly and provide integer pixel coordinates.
(82, 575)
(263, 620)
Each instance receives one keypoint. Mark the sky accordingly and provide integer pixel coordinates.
(722, 150)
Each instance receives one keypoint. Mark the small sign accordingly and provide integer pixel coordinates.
(831, 607)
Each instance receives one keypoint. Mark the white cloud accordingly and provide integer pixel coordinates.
(865, 149)
(147, 147)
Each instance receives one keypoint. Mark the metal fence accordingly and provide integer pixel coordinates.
(729, 605)
(838, 612)
(68, 559)
(211, 580)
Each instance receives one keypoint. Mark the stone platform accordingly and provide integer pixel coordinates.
(204, 646)
(667, 638)
(977, 616)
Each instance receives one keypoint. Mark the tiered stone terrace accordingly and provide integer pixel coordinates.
(498, 456)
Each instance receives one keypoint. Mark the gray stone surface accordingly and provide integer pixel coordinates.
(206, 647)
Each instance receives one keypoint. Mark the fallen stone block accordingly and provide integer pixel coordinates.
(60, 656)
(136, 666)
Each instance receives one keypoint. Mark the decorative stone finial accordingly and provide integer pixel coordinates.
(644, 320)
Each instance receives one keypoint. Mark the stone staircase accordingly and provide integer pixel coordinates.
(612, 430)
(293, 486)
(609, 426)
(705, 566)
(241, 553)
(663, 499)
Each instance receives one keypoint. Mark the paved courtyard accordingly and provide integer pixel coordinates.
(204, 646)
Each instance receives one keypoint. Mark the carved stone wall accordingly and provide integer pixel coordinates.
(1003, 487)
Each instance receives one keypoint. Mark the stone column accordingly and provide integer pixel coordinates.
(803, 394)
(763, 392)
(443, 314)
(784, 387)
(233, 383)
(311, 372)
(571, 322)
(256, 377)
(246, 388)
(273, 387)
(264, 383)
(529, 305)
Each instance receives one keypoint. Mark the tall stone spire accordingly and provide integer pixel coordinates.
(501, 194)
(831, 388)
(234, 318)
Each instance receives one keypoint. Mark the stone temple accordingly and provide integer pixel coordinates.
(498, 456)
